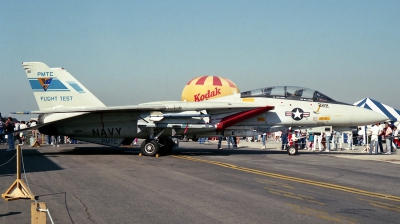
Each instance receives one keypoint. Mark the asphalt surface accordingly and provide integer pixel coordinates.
(87, 183)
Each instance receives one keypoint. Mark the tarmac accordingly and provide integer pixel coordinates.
(88, 183)
(357, 153)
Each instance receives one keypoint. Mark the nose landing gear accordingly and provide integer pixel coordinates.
(292, 150)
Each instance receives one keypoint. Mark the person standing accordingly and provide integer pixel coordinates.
(219, 142)
(303, 136)
(201, 141)
(231, 140)
(323, 141)
(360, 137)
(317, 139)
(388, 135)
(284, 138)
(55, 141)
(380, 135)
(339, 140)
(263, 137)
(328, 139)
(350, 140)
(333, 137)
(310, 141)
(9, 129)
(17, 137)
(374, 139)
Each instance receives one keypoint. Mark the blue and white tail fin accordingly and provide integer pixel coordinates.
(55, 88)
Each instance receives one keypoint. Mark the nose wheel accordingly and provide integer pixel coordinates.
(292, 151)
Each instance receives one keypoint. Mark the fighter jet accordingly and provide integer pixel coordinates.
(67, 108)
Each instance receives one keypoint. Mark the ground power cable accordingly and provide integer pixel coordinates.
(26, 180)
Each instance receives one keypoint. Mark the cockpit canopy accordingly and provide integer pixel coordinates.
(288, 92)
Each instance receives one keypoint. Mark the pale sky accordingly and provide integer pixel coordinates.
(130, 52)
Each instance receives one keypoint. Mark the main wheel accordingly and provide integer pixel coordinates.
(150, 147)
(292, 151)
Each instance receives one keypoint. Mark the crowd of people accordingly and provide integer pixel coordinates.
(328, 140)
(334, 140)
(9, 134)
(389, 133)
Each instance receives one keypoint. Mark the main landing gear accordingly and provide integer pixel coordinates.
(152, 147)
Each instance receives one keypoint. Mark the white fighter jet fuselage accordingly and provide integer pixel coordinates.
(68, 108)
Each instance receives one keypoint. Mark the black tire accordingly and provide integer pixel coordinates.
(292, 151)
(150, 147)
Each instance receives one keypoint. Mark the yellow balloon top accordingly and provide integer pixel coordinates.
(208, 87)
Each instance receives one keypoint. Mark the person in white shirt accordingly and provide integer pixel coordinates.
(374, 139)
(360, 137)
(339, 140)
(263, 139)
(317, 139)
(17, 136)
(350, 140)
(328, 139)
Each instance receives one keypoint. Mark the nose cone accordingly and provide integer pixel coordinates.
(362, 116)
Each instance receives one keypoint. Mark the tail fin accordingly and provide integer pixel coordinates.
(56, 88)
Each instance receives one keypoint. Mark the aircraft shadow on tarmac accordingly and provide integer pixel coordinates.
(38, 161)
(240, 151)
(193, 151)
(34, 161)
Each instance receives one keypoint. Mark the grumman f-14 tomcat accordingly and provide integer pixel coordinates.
(67, 108)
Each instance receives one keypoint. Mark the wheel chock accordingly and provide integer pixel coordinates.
(140, 154)
(157, 155)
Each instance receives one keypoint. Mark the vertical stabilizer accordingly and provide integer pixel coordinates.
(55, 88)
